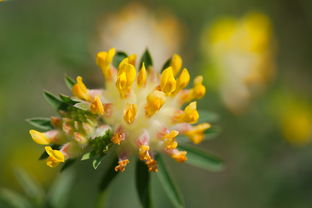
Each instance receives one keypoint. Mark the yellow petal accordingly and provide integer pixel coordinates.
(55, 155)
(141, 81)
(97, 106)
(132, 59)
(155, 101)
(130, 113)
(80, 90)
(167, 81)
(176, 63)
(183, 79)
(39, 137)
(191, 114)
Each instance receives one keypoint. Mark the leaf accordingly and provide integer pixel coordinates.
(201, 159)
(69, 82)
(43, 124)
(60, 191)
(45, 155)
(67, 164)
(207, 116)
(166, 64)
(146, 59)
(31, 187)
(119, 56)
(52, 99)
(109, 175)
(143, 183)
(82, 106)
(168, 184)
(96, 162)
(14, 199)
(212, 132)
(86, 156)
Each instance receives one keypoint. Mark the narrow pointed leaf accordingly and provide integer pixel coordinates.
(53, 100)
(202, 159)
(30, 187)
(143, 184)
(109, 175)
(60, 191)
(43, 124)
(168, 184)
(14, 199)
(69, 82)
(119, 56)
(146, 59)
(97, 162)
(166, 64)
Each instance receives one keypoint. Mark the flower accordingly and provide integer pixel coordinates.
(242, 57)
(138, 112)
(134, 27)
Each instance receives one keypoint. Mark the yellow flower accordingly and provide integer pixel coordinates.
(55, 157)
(241, 54)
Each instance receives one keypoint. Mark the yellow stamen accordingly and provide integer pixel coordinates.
(155, 101)
(39, 138)
(130, 113)
(171, 134)
(97, 106)
(80, 90)
(55, 157)
(143, 152)
(152, 165)
(176, 63)
(141, 81)
(167, 81)
(118, 137)
(179, 156)
(132, 59)
(104, 59)
(121, 165)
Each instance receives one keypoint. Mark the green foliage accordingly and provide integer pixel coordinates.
(69, 82)
(146, 59)
(30, 187)
(168, 184)
(207, 116)
(68, 163)
(119, 56)
(166, 64)
(201, 159)
(143, 183)
(59, 193)
(43, 124)
(14, 199)
(109, 175)
(53, 100)
(97, 161)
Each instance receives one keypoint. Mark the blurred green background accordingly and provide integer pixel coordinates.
(40, 41)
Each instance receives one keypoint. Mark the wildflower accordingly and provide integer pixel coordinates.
(242, 58)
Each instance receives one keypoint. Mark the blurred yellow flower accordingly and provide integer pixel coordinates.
(294, 115)
(242, 57)
(134, 28)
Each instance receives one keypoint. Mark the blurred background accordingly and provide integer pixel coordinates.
(256, 60)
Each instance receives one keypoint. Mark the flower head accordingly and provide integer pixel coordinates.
(139, 112)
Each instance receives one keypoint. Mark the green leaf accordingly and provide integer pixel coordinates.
(14, 199)
(53, 100)
(69, 82)
(67, 164)
(109, 175)
(166, 64)
(31, 187)
(207, 116)
(201, 159)
(97, 161)
(146, 59)
(119, 56)
(82, 106)
(143, 183)
(43, 124)
(168, 184)
(86, 156)
(45, 155)
(60, 191)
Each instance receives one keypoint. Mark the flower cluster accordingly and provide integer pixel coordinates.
(140, 111)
